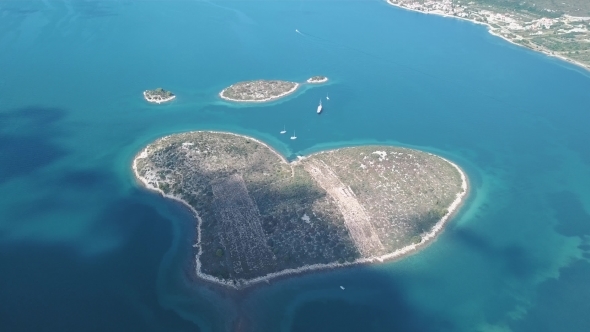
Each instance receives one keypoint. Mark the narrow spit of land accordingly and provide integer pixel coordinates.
(260, 216)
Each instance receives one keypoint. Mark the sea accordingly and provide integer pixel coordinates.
(84, 248)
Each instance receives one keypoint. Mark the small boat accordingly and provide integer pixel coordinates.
(283, 131)
(320, 107)
(327, 98)
(342, 287)
(293, 137)
(297, 31)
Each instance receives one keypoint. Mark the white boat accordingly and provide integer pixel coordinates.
(283, 131)
(320, 107)
(293, 137)
(327, 98)
(342, 287)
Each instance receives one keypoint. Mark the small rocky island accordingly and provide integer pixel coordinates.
(158, 96)
(258, 91)
(259, 216)
(317, 79)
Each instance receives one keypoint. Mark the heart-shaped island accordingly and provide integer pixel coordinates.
(260, 216)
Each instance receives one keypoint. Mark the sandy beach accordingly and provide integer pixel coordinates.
(427, 238)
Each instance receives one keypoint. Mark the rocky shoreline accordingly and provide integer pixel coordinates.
(158, 96)
(147, 179)
(258, 91)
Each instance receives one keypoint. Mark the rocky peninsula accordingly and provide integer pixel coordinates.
(158, 96)
(317, 79)
(260, 216)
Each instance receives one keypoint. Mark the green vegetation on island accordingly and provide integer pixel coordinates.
(258, 91)
(158, 95)
(260, 215)
(317, 79)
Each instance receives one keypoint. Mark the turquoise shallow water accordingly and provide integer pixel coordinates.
(82, 247)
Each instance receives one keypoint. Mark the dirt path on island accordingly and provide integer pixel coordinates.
(356, 218)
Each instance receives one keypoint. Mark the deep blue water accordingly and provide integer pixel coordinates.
(82, 247)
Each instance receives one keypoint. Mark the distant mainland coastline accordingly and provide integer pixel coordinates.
(326, 210)
(542, 31)
(259, 91)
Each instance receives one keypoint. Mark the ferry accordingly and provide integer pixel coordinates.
(320, 107)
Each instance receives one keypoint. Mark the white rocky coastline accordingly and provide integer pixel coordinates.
(426, 238)
(259, 99)
(260, 91)
(156, 98)
(314, 80)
